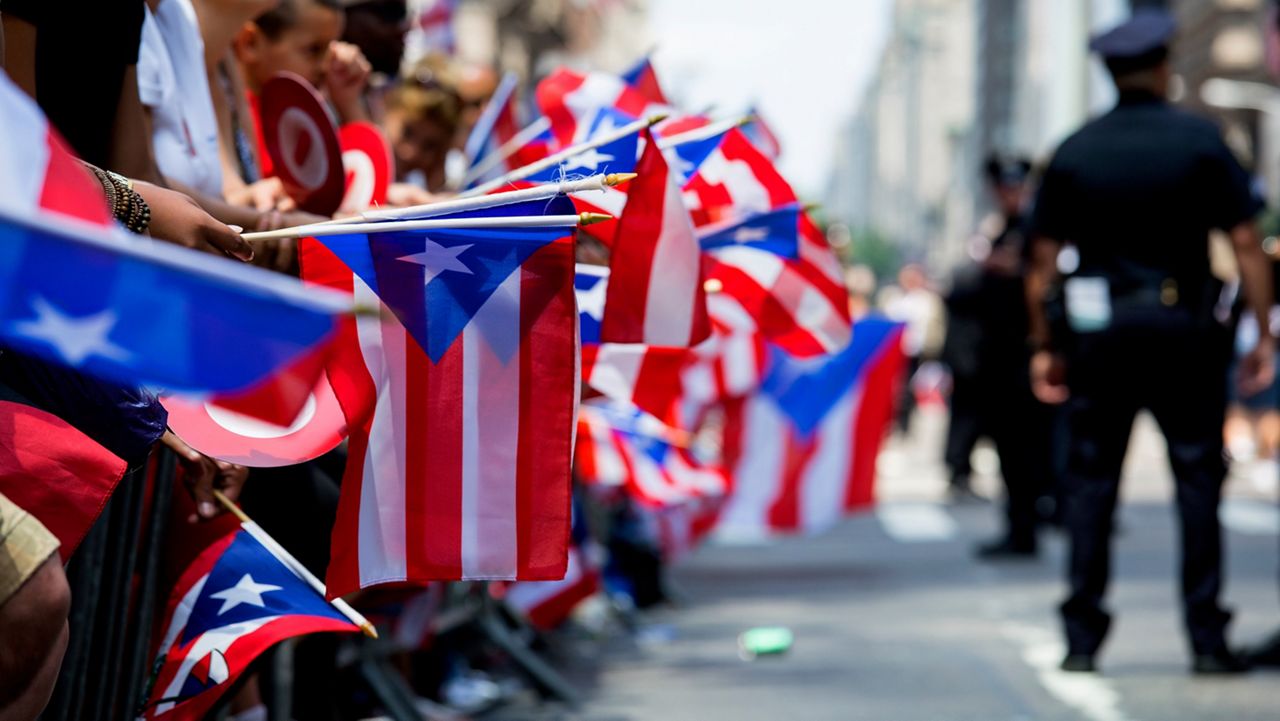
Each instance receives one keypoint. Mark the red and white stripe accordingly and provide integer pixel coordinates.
(656, 293)
(571, 99)
(608, 456)
(457, 470)
(547, 604)
(642, 375)
(735, 181)
(782, 482)
(787, 303)
(37, 171)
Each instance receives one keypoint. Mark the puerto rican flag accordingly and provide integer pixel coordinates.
(570, 100)
(547, 604)
(797, 298)
(461, 402)
(619, 445)
(644, 79)
(801, 453)
(77, 290)
(498, 123)
(762, 136)
(234, 601)
(655, 293)
(645, 375)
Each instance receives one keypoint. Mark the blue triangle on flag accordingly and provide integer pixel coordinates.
(807, 389)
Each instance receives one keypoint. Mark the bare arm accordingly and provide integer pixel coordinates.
(20, 52)
(1047, 367)
(1257, 368)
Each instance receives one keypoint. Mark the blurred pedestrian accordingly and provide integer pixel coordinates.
(915, 303)
(1135, 194)
(987, 353)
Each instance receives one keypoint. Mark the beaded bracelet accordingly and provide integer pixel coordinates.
(126, 205)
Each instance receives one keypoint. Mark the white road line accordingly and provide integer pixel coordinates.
(1249, 517)
(916, 522)
(1042, 650)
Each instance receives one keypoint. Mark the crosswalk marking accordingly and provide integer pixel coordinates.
(916, 522)
(1250, 517)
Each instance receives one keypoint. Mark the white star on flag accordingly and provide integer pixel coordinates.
(675, 162)
(605, 125)
(591, 301)
(436, 259)
(750, 235)
(590, 158)
(245, 591)
(75, 339)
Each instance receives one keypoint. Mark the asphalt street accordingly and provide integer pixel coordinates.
(895, 621)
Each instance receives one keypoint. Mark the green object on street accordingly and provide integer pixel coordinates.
(766, 641)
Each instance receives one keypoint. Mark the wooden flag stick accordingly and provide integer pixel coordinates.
(507, 149)
(457, 205)
(292, 564)
(393, 226)
(553, 160)
(493, 200)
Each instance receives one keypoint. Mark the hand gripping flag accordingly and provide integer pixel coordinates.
(801, 453)
(655, 293)
(128, 309)
(461, 402)
(235, 601)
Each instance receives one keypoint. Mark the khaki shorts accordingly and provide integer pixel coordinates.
(25, 544)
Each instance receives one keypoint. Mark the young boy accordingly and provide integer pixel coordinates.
(301, 36)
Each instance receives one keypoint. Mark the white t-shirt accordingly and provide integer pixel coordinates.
(172, 82)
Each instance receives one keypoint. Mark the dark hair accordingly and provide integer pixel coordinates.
(274, 22)
(1006, 169)
(1119, 67)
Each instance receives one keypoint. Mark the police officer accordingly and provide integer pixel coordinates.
(986, 351)
(1124, 211)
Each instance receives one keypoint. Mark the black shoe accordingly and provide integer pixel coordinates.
(1005, 549)
(1267, 654)
(1222, 663)
(1079, 663)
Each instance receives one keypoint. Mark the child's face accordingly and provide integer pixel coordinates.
(419, 144)
(301, 49)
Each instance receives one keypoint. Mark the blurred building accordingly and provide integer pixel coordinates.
(958, 81)
(533, 37)
(1224, 43)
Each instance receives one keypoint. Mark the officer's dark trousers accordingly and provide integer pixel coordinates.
(1180, 378)
(999, 405)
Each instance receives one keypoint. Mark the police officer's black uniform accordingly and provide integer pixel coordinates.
(1137, 191)
(991, 395)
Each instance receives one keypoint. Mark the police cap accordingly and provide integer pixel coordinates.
(1007, 170)
(1138, 43)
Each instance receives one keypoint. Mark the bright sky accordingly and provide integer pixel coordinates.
(804, 62)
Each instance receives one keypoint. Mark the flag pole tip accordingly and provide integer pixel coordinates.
(810, 207)
(593, 218)
(369, 630)
(615, 179)
(746, 120)
(657, 118)
(713, 285)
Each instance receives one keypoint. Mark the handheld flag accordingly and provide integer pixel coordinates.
(236, 600)
(460, 400)
(801, 453)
